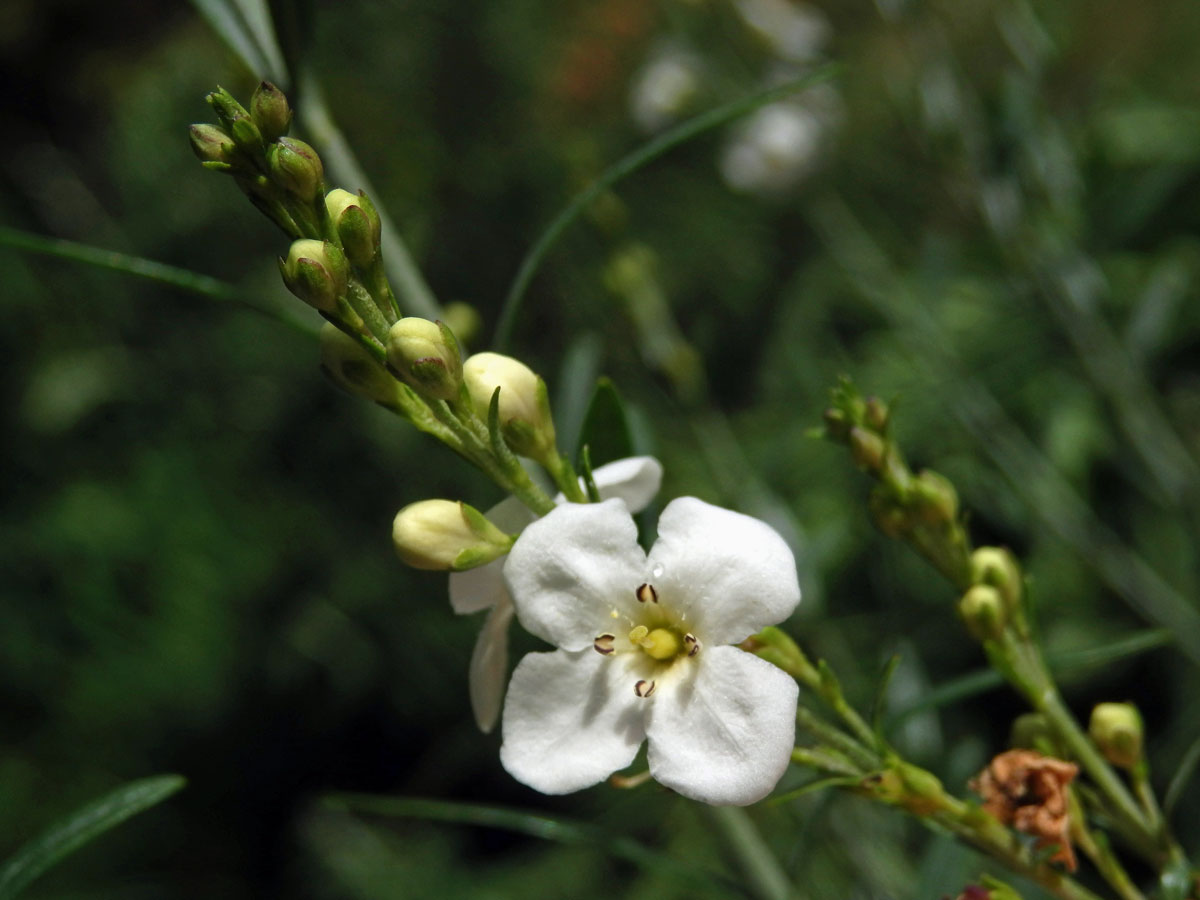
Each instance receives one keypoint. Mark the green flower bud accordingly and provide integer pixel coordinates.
(999, 568)
(352, 368)
(934, 499)
(867, 448)
(888, 512)
(524, 408)
(875, 414)
(1031, 731)
(237, 122)
(357, 224)
(270, 111)
(444, 534)
(983, 610)
(226, 108)
(212, 145)
(1116, 729)
(463, 319)
(425, 355)
(316, 272)
(296, 167)
(836, 424)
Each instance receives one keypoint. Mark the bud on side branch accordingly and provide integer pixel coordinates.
(316, 272)
(524, 407)
(444, 534)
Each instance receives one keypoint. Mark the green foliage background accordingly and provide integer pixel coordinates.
(1000, 233)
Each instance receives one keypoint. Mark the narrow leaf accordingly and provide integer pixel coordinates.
(85, 824)
(140, 267)
(606, 430)
(539, 826)
(1187, 768)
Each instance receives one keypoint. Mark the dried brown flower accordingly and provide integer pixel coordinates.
(1028, 791)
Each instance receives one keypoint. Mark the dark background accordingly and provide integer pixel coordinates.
(997, 227)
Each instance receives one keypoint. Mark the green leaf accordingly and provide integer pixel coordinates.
(540, 826)
(1187, 768)
(626, 166)
(86, 823)
(574, 386)
(246, 28)
(879, 704)
(606, 429)
(140, 267)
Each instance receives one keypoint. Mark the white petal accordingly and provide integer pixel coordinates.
(483, 587)
(725, 734)
(570, 721)
(635, 480)
(572, 568)
(479, 588)
(489, 666)
(730, 575)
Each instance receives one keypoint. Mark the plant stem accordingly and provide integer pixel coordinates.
(763, 870)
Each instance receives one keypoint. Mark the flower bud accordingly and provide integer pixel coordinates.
(425, 355)
(316, 272)
(444, 534)
(999, 568)
(463, 319)
(355, 370)
(1031, 731)
(212, 145)
(524, 408)
(225, 107)
(357, 224)
(888, 512)
(875, 414)
(934, 499)
(867, 448)
(236, 122)
(982, 609)
(270, 111)
(1116, 729)
(296, 167)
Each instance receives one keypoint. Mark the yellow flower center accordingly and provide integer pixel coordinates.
(659, 643)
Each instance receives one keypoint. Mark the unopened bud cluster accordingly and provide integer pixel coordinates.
(922, 507)
(488, 408)
(334, 262)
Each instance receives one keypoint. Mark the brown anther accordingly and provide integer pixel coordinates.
(692, 644)
(644, 688)
(1028, 791)
(646, 592)
(604, 644)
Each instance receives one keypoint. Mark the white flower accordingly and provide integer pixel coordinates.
(634, 480)
(643, 651)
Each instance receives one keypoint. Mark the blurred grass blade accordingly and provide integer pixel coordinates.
(647, 153)
(1187, 768)
(140, 267)
(82, 826)
(539, 826)
(244, 35)
(1060, 663)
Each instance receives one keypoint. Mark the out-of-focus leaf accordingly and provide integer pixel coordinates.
(606, 432)
(1187, 768)
(85, 824)
(535, 825)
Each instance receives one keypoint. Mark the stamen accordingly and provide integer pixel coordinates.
(646, 592)
(604, 644)
(644, 688)
(693, 645)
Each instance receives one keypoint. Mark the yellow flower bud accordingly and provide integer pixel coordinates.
(316, 272)
(445, 534)
(982, 609)
(425, 354)
(357, 223)
(997, 567)
(1116, 729)
(524, 408)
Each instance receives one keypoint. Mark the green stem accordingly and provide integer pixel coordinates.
(1101, 855)
(766, 875)
(837, 739)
